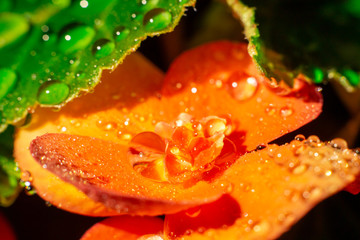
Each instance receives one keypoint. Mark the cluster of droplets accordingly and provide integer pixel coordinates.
(26, 182)
(323, 159)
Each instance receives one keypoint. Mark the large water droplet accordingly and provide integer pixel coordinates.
(53, 92)
(157, 19)
(241, 87)
(7, 81)
(75, 37)
(339, 143)
(102, 48)
(12, 27)
(120, 33)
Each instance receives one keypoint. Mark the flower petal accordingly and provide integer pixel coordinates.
(126, 227)
(99, 168)
(81, 117)
(273, 188)
(217, 79)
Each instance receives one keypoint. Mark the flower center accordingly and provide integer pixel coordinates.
(182, 150)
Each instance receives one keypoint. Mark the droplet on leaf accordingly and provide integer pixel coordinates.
(102, 48)
(75, 37)
(120, 33)
(157, 19)
(53, 92)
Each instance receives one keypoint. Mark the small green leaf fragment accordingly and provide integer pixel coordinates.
(317, 75)
(351, 76)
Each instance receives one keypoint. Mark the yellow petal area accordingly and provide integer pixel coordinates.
(71, 119)
(269, 191)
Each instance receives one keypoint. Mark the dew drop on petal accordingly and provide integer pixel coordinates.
(300, 137)
(286, 111)
(53, 92)
(339, 143)
(157, 19)
(241, 86)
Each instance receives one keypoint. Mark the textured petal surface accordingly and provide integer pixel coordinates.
(101, 170)
(271, 189)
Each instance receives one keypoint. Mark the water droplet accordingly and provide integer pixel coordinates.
(102, 48)
(270, 110)
(120, 33)
(300, 169)
(241, 86)
(53, 93)
(7, 81)
(193, 212)
(12, 27)
(75, 37)
(262, 226)
(313, 140)
(260, 147)
(300, 137)
(339, 143)
(157, 19)
(286, 111)
(84, 3)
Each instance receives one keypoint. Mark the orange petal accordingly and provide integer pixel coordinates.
(100, 169)
(82, 116)
(269, 190)
(220, 79)
(217, 79)
(6, 231)
(125, 227)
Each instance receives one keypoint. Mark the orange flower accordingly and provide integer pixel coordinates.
(191, 145)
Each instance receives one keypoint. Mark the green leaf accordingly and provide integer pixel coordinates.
(318, 38)
(9, 172)
(52, 50)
